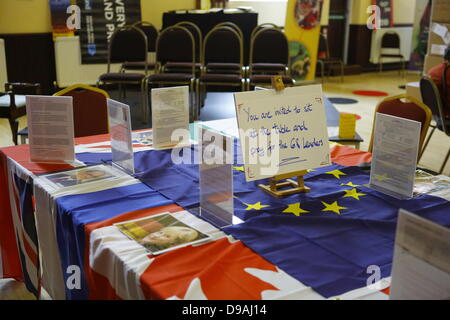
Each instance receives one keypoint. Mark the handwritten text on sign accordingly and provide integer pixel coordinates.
(282, 132)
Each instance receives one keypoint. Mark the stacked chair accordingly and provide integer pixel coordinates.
(152, 34)
(327, 59)
(269, 56)
(175, 63)
(183, 56)
(183, 66)
(127, 44)
(222, 63)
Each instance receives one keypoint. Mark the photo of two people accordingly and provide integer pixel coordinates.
(161, 233)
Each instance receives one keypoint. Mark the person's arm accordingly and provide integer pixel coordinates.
(435, 74)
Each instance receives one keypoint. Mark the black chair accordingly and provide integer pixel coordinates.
(182, 67)
(222, 60)
(127, 44)
(176, 44)
(224, 66)
(13, 104)
(262, 26)
(152, 34)
(390, 41)
(269, 55)
(327, 59)
(432, 98)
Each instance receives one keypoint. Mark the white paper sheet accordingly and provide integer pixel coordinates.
(170, 112)
(50, 128)
(121, 136)
(395, 149)
(421, 268)
(282, 132)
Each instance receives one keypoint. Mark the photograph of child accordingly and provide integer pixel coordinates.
(79, 176)
(161, 232)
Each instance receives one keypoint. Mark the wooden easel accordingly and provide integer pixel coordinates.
(274, 187)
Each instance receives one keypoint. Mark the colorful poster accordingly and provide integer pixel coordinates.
(386, 12)
(99, 19)
(58, 10)
(302, 28)
(420, 35)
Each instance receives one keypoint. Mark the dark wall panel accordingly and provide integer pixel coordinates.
(360, 40)
(30, 57)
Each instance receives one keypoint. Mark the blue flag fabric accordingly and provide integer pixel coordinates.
(335, 233)
(326, 238)
(28, 258)
(75, 211)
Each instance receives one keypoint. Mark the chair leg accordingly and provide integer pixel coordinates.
(445, 162)
(381, 64)
(425, 144)
(404, 68)
(23, 139)
(199, 104)
(144, 102)
(14, 124)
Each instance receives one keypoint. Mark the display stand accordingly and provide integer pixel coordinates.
(274, 187)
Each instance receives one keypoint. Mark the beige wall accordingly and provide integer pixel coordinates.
(33, 16)
(24, 16)
(404, 11)
(152, 10)
(325, 13)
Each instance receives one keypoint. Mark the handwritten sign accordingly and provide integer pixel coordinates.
(347, 126)
(282, 132)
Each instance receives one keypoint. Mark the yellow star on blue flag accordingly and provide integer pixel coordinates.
(336, 173)
(295, 209)
(350, 184)
(353, 194)
(239, 168)
(256, 206)
(333, 207)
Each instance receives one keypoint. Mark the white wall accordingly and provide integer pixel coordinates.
(274, 11)
(269, 11)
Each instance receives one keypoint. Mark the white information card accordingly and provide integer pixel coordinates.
(282, 131)
(170, 113)
(394, 155)
(50, 128)
(421, 267)
(121, 136)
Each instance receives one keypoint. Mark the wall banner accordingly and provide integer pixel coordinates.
(302, 29)
(386, 12)
(99, 19)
